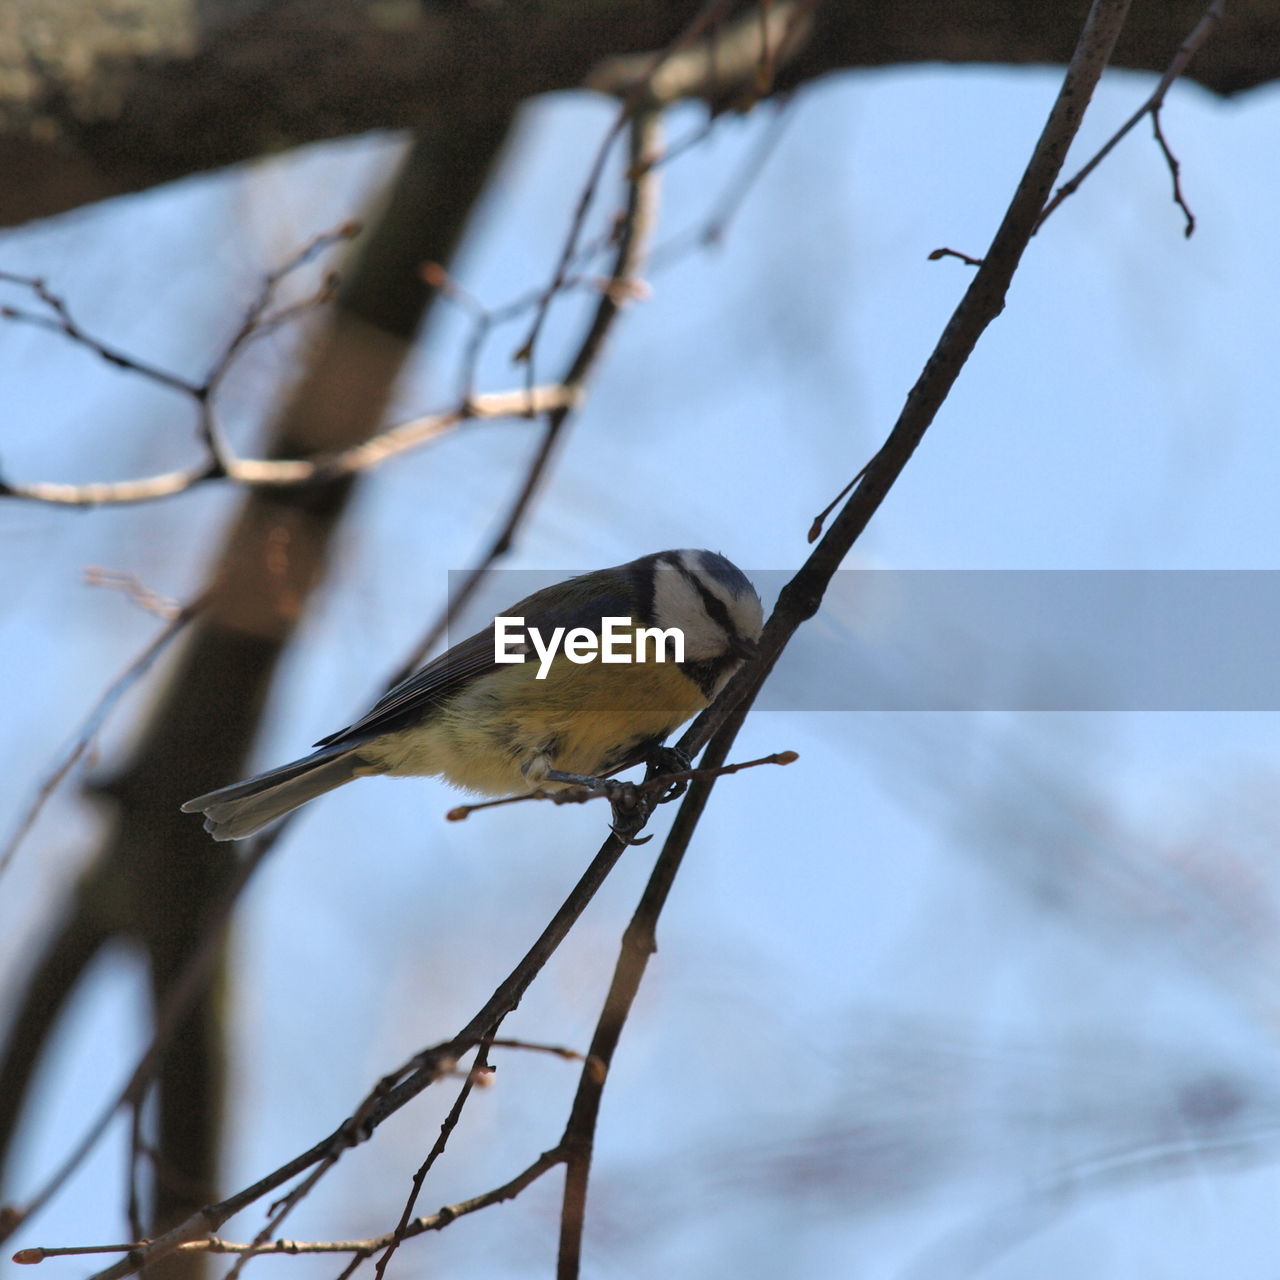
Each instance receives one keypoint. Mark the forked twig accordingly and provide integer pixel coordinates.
(609, 788)
(88, 731)
(1203, 29)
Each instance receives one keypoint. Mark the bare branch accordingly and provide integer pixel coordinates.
(633, 234)
(480, 1069)
(288, 472)
(360, 1248)
(741, 55)
(555, 1050)
(982, 302)
(800, 599)
(107, 493)
(93, 723)
(613, 791)
(1213, 15)
(61, 321)
(715, 227)
(815, 529)
(395, 1091)
(1174, 170)
(134, 590)
(635, 97)
(133, 1197)
(954, 253)
(280, 1210)
(258, 320)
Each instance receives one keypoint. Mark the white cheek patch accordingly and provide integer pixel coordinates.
(743, 611)
(677, 603)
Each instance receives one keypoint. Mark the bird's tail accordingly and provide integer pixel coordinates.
(233, 812)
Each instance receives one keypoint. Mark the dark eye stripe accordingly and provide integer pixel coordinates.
(714, 606)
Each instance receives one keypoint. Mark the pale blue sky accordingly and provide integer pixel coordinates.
(911, 988)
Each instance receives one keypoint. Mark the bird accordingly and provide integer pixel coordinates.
(547, 695)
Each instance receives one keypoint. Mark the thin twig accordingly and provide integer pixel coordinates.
(134, 590)
(967, 259)
(1212, 16)
(1175, 170)
(177, 1001)
(62, 321)
(395, 1091)
(437, 276)
(815, 529)
(280, 1210)
(609, 788)
(286, 472)
(258, 320)
(715, 227)
(633, 237)
(636, 100)
(740, 53)
(361, 1249)
(133, 1201)
(93, 723)
(400, 1234)
(555, 1050)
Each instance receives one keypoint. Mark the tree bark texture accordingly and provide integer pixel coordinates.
(101, 98)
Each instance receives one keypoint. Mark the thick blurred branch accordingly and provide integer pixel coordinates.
(426, 1068)
(157, 870)
(99, 100)
(269, 617)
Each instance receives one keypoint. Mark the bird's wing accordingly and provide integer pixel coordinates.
(401, 705)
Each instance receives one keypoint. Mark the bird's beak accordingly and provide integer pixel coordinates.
(745, 649)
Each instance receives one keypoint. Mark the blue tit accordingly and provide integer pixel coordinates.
(524, 703)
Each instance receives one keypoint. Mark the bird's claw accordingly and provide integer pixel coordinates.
(668, 760)
(628, 813)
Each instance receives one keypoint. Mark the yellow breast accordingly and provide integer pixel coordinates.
(503, 729)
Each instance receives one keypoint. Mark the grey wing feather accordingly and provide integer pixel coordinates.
(239, 810)
(401, 705)
(469, 658)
